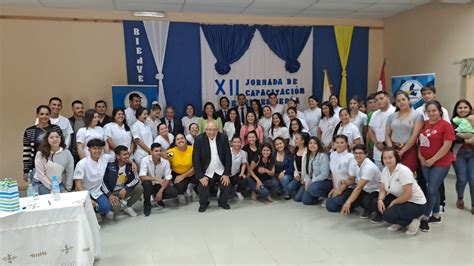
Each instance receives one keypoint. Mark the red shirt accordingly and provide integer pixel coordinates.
(431, 140)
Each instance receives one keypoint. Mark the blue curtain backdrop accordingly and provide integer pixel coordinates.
(228, 43)
(182, 66)
(325, 54)
(287, 42)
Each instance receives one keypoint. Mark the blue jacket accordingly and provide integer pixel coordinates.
(288, 161)
(111, 176)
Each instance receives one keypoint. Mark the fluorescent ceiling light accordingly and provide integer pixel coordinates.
(152, 14)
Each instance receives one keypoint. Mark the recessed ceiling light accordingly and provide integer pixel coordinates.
(151, 14)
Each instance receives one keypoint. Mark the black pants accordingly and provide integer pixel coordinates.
(401, 214)
(212, 184)
(149, 189)
(241, 183)
(365, 200)
(420, 178)
(182, 186)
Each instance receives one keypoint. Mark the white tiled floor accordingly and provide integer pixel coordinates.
(281, 233)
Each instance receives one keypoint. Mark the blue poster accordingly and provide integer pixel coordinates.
(120, 93)
(412, 85)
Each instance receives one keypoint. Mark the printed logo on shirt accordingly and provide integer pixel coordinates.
(424, 141)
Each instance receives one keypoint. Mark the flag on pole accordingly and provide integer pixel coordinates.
(327, 86)
(382, 85)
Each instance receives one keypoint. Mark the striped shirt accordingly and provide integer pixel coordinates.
(32, 138)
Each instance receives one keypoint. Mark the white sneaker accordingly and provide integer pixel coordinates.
(413, 227)
(109, 215)
(323, 203)
(394, 227)
(130, 211)
(239, 195)
(181, 199)
(194, 196)
(123, 205)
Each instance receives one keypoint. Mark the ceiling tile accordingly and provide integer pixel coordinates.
(350, 1)
(31, 3)
(213, 9)
(168, 7)
(285, 12)
(218, 3)
(275, 4)
(325, 13)
(338, 6)
(80, 4)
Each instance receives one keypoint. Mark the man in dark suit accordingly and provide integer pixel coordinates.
(223, 113)
(242, 108)
(212, 162)
(174, 125)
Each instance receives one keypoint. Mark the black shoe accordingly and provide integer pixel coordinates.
(366, 214)
(203, 208)
(378, 219)
(434, 220)
(424, 227)
(161, 203)
(224, 206)
(147, 210)
(287, 196)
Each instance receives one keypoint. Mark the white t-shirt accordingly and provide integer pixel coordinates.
(327, 126)
(229, 129)
(299, 115)
(312, 119)
(163, 142)
(266, 124)
(337, 110)
(118, 135)
(350, 131)
(303, 123)
(92, 173)
(237, 160)
(186, 121)
(190, 139)
(360, 121)
(367, 171)
(130, 116)
(401, 176)
(161, 170)
(279, 108)
(378, 122)
(339, 165)
(279, 132)
(141, 131)
(84, 135)
(422, 111)
(153, 125)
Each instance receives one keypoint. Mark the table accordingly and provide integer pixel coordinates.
(49, 232)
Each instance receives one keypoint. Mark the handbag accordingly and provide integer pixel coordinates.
(9, 195)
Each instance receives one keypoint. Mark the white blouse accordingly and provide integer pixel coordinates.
(84, 135)
(339, 165)
(141, 131)
(118, 135)
(186, 121)
(312, 119)
(350, 131)
(327, 126)
(279, 132)
(163, 142)
(266, 124)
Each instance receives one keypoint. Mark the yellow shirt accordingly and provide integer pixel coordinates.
(181, 161)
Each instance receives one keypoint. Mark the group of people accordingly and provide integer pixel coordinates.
(389, 161)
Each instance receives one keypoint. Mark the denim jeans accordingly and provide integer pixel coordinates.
(269, 187)
(43, 190)
(403, 214)
(334, 204)
(316, 190)
(285, 181)
(464, 172)
(104, 205)
(434, 178)
(294, 188)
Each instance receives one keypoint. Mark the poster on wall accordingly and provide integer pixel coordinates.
(120, 93)
(256, 74)
(412, 85)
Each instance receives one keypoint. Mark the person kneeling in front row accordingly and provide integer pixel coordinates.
(155, 173)
(121, 182)
(400, 200)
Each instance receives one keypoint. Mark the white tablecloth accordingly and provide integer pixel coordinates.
(65, 232)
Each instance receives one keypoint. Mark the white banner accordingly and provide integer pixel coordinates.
(256, 74)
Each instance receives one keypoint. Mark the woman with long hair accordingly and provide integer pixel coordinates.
(295, 127)
(262, 180)
(142, 136)
(313, 115)
(403, 128)
(165, 138)
(252, 148)
(189, 118)
(209, 114)
(335, 104)
(358, 118)
(434, 153)
(278, 128)
(118, 133)
(251, 124)
(283, 165)
(316, 167)
(193, 132)
(33, 137)
(327, 125)
(266, 121)
(238, 173)
(256, 107)
(296, 186)
(89, 132)
(53, 159)
(464, 151)
(345, 127)
(232, 127)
